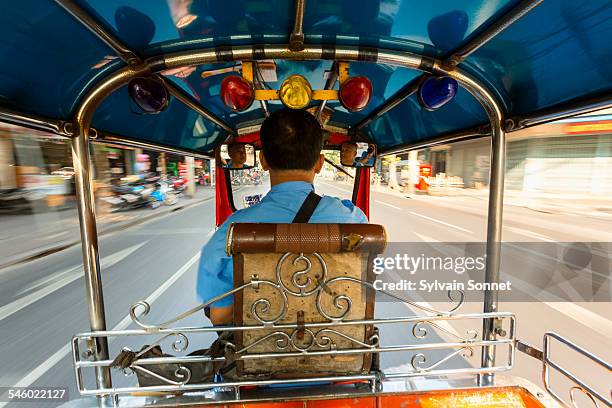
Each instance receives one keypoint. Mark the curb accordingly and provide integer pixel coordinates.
(128, 224)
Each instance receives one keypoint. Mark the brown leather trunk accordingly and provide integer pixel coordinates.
(333, 250)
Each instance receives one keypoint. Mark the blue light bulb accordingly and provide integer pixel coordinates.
(149, 94)
(436, 92)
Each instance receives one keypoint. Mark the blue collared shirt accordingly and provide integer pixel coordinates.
(280, 205)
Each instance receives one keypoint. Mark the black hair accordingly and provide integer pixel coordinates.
(291, 140)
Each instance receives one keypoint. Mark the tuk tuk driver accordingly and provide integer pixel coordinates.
(291, 143)
(348, 155)
(238, 156)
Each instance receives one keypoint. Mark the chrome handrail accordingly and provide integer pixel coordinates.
(581, 386)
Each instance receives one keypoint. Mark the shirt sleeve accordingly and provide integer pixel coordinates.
(357, 216)
(216, 270)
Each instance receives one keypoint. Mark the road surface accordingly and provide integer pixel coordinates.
(42, 303)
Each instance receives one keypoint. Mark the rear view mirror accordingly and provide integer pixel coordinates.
(358, 154)
(237, 156)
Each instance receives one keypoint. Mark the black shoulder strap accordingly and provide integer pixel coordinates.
(307, 209)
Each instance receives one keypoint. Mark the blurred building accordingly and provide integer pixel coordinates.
(571, 156)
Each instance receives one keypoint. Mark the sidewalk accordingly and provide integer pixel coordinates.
(26, 237)
(585, 205)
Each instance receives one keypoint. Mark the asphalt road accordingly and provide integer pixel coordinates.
(42, 303)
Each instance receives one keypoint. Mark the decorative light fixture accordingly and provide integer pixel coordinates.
(435, 92)
(355, 93)
(149, 94)
(237, 93)
(295, 92)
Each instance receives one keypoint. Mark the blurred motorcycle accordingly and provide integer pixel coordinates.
(163, 194)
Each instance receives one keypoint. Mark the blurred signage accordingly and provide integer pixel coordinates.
(44, 184)
(112, 154)
(603, 126)
(182, 169)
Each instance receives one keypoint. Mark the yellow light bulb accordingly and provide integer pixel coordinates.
(295, 92)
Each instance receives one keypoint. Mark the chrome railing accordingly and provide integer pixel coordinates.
(580, 386)
(281, 338)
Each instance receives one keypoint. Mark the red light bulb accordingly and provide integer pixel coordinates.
(237, 93)
(355, 93)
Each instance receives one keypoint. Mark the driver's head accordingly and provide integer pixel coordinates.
(237, 152)
(291, 142)
(348, 152)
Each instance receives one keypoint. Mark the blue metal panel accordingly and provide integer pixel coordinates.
(408, 123)
(559, 51)
(435, 27)
(46, 58)
(176, 126)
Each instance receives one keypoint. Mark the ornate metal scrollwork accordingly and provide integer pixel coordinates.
(262, 306)
(419, 331)
(301, 285)
(590, 396)
(418, 360)
(312, 341)
(182, 374)
(178, 345)
(300, 278)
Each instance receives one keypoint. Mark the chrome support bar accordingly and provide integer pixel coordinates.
(282, 51)
(329, 84)
(498, 26)
(87, 213)
(99, 31)
(57, 127)
(89, 243)
(560, 112)
(282, 326)
(494, 238)
(467, 134)
(113, 140)
(398, 97)
(530, 350)
(258, 82)
(495, 210)
(193, 104)
(296, 39)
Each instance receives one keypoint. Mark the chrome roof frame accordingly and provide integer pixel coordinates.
(151, 66)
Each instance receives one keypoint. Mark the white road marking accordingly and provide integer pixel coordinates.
(578, 313)
(41, 369)
(42, 282)
(387, 204)
(71, 275)
(157, 293)
(440, 222)
(336, 187)
(530, 234)
(586, 317)
(425, 238)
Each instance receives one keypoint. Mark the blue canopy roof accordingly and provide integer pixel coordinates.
(560, 51)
